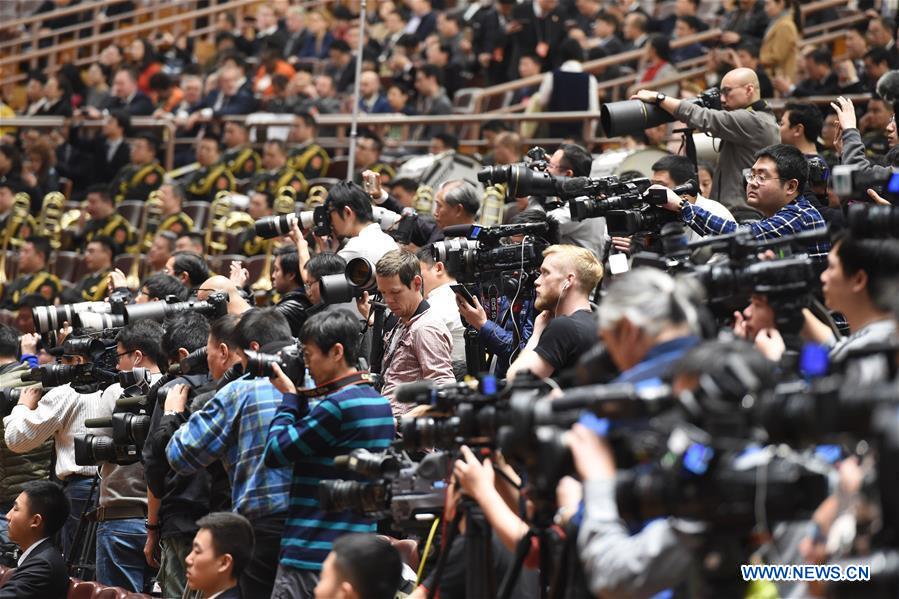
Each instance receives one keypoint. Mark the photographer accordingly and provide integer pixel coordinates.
(174, 502)
(647, 321)
(288, 284)
(232, 427)
(348, 413)
(775, 185)
(350, 214)
(59, 416)
(418, 347)
(159, 286)
(437, 281)
(189, 268)
(16, 469)
(455, 203)
(321, 265)
(566, 326)
(745, 126)
(672, 171)
(121, 515)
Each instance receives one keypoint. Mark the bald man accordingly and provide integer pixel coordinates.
(371, 99)
(236, 303)
(745, 126)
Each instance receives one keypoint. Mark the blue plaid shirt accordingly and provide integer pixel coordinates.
(233, 427)
(796, 217)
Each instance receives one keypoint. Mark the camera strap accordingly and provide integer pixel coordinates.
(357, 378)
(759, 106)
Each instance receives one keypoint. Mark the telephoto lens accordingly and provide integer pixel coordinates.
(8, 400)
(51, 318)
(361, 497)
(269, 227)
(358, 277)
(289, 358)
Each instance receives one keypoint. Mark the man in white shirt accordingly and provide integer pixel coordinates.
(350, 212)
(672, 171)
(442, 300)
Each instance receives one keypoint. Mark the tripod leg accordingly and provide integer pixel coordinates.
(480, 574)
(441, 561)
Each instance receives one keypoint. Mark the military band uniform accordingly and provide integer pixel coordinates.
(42, 283)
(174, 223)
(386, 171)
(242, 162)
(203, 184)
(91, 288)
(253, 245)
(115, 227)
(310, 159)
(136, 182)
(272, 181)
(21, 231)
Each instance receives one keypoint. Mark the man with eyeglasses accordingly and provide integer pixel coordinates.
(745, 126)
(775, 186)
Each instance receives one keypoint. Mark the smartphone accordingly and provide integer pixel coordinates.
(464, 292)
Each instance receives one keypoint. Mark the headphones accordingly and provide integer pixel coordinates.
(566, 285)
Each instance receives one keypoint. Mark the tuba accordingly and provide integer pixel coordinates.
(224, 220)
(49, 222)
(20, 209)
(285, 203)
(492, 205)
(316, 196)
(424, 199)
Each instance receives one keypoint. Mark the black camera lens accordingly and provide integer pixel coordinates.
(361, 273)
(361, 497)
(8, 400)
(874, 221)
(289, 359)
(269, 227)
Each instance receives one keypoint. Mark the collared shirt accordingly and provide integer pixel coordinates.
(419, 350)
(306, 435)
(28, 551)
(60, 414)
(712, 207)
(657, 362)
(796, 217)
(371, 243)
(443, 301)
(233, 427)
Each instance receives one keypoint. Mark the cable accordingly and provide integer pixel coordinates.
(517, 349)
(424, 555)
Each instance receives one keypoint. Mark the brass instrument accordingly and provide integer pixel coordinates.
(424, 199)
(20, 209)
(492, 205)
(316, 196)
(285, 203)
(151, 217)
(183, 171)
(49, 222)
(223, 220)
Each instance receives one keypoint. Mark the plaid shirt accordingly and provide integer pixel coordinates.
(796, 217)
(233, 426)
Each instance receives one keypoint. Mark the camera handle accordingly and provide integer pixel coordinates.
(480, 575)
(377, 336)
(690, 146)
(82, 554)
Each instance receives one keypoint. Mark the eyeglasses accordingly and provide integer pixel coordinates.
(123, 354)
(759, 178)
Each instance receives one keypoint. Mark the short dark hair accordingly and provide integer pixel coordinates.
(370, 563)
(188, 329)
(47, 499)
(432, 72)
(371, 135)
(879, 258)
(571, 49)
(325, 329)
(341, 46)
(577, 159)
(808, 115)
(659, 42)
(262, 325)
(347, 194)
(822, 56)
(878, 54)
(290, 262)
(9, 341)
(407, 183)
(426, 254)
(307, 118)
(401, 263)
(107, 243)
(693, 22)
(150, 138)
(325, 263)
(143, 335)
(790, 163)
(448, 139)
(679, 168)
(751, 47)
(41, 245)
(123, 118)
(232, 534)
(609, 18)
(102, 190)
(194, 265)
(161, 285)
(194, 236)
(224, 328)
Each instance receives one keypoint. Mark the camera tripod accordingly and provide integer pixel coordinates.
(82, 557)
(480, 577)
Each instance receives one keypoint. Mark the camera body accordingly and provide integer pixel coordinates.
(289, 358)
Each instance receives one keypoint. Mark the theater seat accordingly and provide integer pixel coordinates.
(81, 589)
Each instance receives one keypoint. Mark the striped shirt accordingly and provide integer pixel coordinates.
(232, 427)
(308, 437)
(796, 217)
(60, 415)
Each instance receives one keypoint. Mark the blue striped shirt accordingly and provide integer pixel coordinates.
(232, 427)
(796, 217)
(308, 436)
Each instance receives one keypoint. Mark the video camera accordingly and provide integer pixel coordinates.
(851, 182)
(632, 116)
(866, 220)
(411, 495)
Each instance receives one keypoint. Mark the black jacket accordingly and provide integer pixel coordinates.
(139, 105)
(42, 575)
(92, 157)
(294, 306)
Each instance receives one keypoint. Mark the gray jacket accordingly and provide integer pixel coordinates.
(742, 132)
(854, 154)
